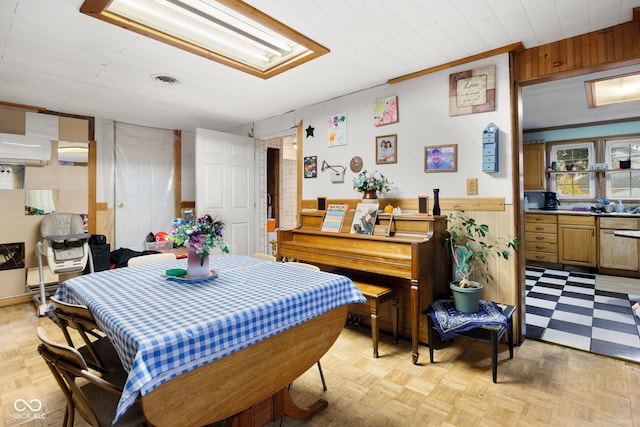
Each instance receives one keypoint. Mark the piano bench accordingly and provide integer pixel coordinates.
(377, 295)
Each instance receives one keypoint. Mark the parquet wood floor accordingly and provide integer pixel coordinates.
(543, 385)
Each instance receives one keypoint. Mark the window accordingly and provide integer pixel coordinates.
(573, 158)
(623, 183)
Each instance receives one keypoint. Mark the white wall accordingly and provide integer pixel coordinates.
(423, 106)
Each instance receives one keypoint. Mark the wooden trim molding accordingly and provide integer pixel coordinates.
(177, 173)
(92, 187)
(611, 47)
(494, 204)
(515, 47)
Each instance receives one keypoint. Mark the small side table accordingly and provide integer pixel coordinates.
(487, 332)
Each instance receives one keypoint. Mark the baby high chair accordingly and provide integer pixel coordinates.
(66, 247)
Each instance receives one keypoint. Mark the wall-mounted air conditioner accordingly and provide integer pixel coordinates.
(30, 150)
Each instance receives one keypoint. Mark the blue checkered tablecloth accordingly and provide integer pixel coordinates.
(162, 327)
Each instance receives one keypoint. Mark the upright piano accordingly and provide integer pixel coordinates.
(404, 251)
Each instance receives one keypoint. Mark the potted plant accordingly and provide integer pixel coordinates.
(471, 249)
(626, 162)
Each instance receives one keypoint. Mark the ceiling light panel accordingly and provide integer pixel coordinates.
(219, 30)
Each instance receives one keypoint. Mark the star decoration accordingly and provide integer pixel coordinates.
(310, 131)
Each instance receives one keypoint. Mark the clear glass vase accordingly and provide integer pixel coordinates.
(197, 268)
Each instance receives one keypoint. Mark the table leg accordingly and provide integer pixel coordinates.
(430, 337)
(510, 337)
(494, 354)
(273, 408)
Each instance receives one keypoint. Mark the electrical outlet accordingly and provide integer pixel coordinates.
(472, 186)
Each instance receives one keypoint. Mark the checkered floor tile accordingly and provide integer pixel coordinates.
(565, 308)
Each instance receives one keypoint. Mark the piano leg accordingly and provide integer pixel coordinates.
(415, 320)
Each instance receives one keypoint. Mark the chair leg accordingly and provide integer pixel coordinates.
(324, 384)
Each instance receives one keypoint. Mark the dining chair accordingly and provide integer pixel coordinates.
(147, 259)
(95, 398)
(314, 268)
(98, 351)
(303, 265)
(264, 256)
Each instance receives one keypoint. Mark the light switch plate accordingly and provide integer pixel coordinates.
(472, 186)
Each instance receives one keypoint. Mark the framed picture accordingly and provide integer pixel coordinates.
(386, 148)
(311, 167)
(472, 91)
(441, 158)
(385, 111)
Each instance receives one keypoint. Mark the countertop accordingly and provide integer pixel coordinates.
(586, 213)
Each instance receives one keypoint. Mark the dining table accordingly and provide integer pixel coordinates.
(199, 351)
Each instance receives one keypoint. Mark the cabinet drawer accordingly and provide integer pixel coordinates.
(576, 220)
(540, 218)
(541, 237)
(540, 228)
(546, 247)
(541, 256)
(619, 223)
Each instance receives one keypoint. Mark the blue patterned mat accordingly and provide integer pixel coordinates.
(448, 321)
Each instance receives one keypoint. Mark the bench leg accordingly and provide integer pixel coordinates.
(394, 318)
(374, 326)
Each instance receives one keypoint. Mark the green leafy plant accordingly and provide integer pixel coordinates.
(467, 240)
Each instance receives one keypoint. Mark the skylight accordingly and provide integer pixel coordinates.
(613, 90)
(229, 32)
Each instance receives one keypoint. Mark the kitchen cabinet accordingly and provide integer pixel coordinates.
(533, 159)
(577, 241)
(615, 251)
(541, 237)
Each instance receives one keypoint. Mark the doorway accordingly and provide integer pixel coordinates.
(273, 185)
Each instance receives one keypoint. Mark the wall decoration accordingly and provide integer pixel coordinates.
(386, 149)
(311, 167)
(441, 158)
(337, 130)
(310, 131)
(356, 164)
(385, 111)
(472, 91)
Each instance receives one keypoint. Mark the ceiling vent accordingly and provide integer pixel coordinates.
(29, 150)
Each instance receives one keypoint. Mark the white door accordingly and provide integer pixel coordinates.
(225, 185)
(144, 184)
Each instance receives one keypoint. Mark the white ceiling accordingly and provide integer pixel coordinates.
(54, 57)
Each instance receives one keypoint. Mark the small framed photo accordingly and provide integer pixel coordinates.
(386, 149)
(311, 167)
(441, 158)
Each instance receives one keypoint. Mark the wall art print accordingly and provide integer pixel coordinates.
(337, 129)
(311, 167)
(385, 111)
(472, 91)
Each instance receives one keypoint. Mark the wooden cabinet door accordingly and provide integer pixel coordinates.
(577, 245)
(618, 252)
(533, 156)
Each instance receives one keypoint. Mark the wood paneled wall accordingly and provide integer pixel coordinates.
(599, 50)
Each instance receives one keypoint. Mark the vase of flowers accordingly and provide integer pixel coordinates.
(371, 185)
(200, 236)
